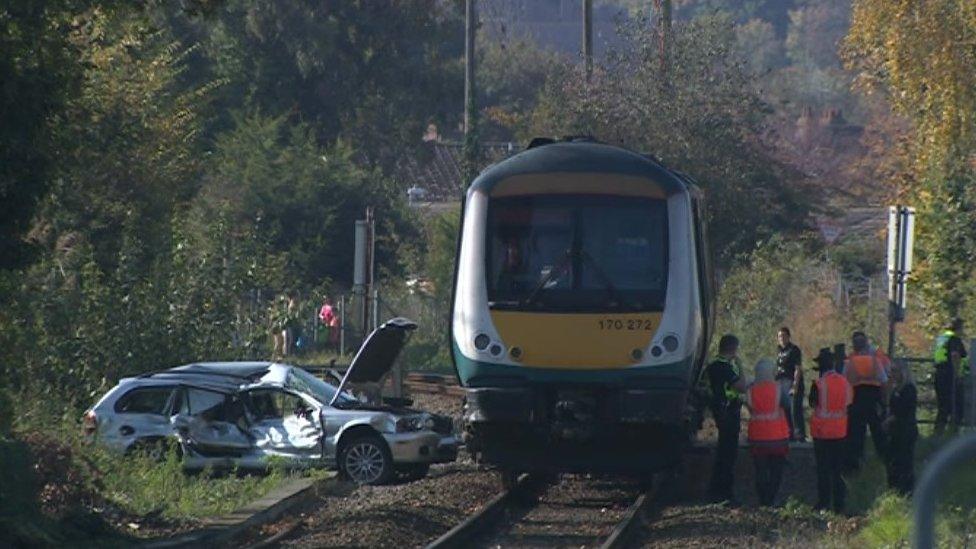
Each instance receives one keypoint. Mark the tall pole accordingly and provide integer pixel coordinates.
(469, 34)
(368, 282)
(663, 8)
(470, 146)
(588, 37)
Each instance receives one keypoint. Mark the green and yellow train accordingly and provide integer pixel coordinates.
(582, 309)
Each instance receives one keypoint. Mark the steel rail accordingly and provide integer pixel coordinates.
(481, 523)
(626, 529)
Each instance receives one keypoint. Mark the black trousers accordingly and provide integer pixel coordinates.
(864, 413)
(831, 489)
(769, 474)
(794, 415)
(723, 471)
(901, 463)
(799, 425)
(945, 384)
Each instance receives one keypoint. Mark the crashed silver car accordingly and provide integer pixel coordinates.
(243, 414)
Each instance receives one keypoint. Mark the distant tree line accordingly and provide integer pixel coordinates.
(160, 162)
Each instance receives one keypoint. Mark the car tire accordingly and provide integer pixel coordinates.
(366, 459)
(414, 471)
(156, 449)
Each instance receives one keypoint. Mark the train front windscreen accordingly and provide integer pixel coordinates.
(577, 253)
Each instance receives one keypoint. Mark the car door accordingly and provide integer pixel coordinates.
(214, 423)
(284, 423)
(142, 414)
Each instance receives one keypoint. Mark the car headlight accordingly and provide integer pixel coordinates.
(410, 424)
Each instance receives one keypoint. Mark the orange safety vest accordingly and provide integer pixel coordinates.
(829, 421)
(863, 370)
(767, 420)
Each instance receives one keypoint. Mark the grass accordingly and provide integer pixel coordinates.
(888, 516)
(143, 486)
(92, 477)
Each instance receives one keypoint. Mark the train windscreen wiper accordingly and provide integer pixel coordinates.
(615, 298)
(550, 276)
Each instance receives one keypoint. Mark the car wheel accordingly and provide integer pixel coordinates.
(414, 471)
(367, 460)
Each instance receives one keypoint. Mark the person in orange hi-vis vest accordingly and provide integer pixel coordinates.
(769, 431)
(869, 378)
(830, 395)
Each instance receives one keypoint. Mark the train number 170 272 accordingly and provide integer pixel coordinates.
(645, 324)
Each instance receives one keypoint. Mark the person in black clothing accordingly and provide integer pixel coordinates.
(727, 384)
(950, 353)
(902, 430)
(829, 448)
(789, 375)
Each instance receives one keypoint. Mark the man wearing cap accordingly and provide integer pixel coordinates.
(830, 395)
(868, 376)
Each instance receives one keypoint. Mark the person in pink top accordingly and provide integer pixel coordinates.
(330, 320)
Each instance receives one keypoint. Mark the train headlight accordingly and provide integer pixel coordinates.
(670, 343)
(495, 350)
(656, 351)
(481, 342)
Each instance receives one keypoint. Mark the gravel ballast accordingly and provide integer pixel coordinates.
(577, 511)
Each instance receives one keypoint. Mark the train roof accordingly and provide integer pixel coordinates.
(581, 156)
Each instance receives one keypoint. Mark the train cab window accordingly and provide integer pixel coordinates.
(577, 253)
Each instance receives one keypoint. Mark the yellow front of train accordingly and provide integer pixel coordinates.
(581, 309)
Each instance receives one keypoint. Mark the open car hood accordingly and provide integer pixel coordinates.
(378, 353)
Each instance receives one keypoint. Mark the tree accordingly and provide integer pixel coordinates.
(920, 55)
(510, 75)
(272, 177)
(369, 73)
(37, 72)
(816, 31)
(757, 42)
(127, 142)
(705, 119)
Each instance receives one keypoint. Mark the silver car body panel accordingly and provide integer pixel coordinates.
(306, 436)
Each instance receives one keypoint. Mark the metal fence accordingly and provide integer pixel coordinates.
(959, 451)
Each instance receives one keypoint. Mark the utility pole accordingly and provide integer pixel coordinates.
(588, 37)
(663, 8)
(469, 34)
(470, 147)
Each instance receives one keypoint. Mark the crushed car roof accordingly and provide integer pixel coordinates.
(220, 376)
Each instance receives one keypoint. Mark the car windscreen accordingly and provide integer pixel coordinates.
(579, 253)
(302, 381)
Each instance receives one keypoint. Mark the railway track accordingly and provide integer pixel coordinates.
(574, 512)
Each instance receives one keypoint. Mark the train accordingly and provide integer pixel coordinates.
(582, 310)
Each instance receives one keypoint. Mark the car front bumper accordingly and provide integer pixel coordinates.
(422, 447)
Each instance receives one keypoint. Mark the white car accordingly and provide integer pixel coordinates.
(243, 414)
